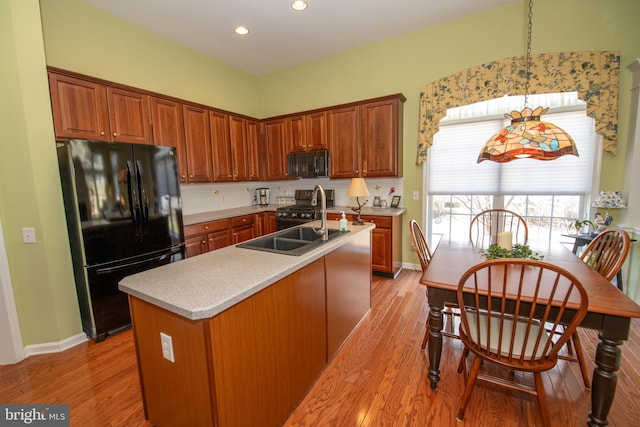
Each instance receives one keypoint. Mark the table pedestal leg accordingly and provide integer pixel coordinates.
(435, 344)
(605, 380)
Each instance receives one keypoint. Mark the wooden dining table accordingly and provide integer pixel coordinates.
(610, 312)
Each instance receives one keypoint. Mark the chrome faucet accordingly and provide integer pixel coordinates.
(323, 211)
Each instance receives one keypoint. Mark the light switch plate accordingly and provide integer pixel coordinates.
(167, 346)
(416, 195)
(28, 235)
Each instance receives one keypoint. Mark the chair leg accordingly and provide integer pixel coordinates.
(581, 362)
(462, 365)
(471, 381)
(542, 399)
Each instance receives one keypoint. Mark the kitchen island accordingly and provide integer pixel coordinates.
(246, 332)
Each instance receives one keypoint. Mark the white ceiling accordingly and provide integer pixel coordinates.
(279, 36)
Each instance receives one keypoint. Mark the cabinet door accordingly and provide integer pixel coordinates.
(316, 127)
(275, 149)
(219, 239)
(195, 245)
(344, 137)
(168, 130)
(381, 142)
(381, 250)
(129, 116)
(79, 108)
(220, 147)
(198, 142)
(241, 234)
(239, 148)
(254, 153)
(297, 138)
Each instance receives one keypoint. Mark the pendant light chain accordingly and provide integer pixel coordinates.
(528, 57)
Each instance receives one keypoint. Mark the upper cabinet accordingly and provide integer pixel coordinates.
(198, 143)
(365, 139)
(255, 150)
(307, 132)
(231, 159)
(90, 110)
(168, 130)
(274, 133)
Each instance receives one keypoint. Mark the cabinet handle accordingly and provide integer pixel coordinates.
(206, 227)
(204, 242)
(101, 133)
(115, 134)
(190, 176)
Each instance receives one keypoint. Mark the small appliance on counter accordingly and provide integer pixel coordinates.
(262, 196)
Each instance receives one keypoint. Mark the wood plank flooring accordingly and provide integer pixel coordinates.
(377, 379)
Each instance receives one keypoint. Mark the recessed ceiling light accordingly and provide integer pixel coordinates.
(299, 5)
(241, 30)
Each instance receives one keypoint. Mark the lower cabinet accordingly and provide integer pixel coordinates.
(265, 223)
(386, 242)
(207, 236)
(242, 228)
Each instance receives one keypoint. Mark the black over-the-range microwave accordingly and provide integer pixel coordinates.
(308, 164)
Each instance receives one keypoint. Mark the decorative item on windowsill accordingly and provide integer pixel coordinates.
(607, 200)
(357, 189)
(527, 136)
(579, 224)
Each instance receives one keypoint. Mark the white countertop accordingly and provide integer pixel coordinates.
(246, 210)
(205, 285)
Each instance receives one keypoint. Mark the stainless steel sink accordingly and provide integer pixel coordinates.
(292, 241)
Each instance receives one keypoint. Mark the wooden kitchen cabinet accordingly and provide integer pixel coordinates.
(230, 149)
(316, 130)
(296, 133)
(86, 109)
(265, 223)
(365, 139)
(255, 153)
(168, 130)
(80, 108)
(344, 137)
(242, 228)
(276, 148)
(198, 143)
(386, 244)
(207, 236)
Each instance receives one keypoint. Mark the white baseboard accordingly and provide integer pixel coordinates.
(55, 347)
(410, 266)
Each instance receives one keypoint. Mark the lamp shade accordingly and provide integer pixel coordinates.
(610, 200)
(528, 137)
(357, 188)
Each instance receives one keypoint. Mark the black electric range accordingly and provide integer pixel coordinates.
(303, 211)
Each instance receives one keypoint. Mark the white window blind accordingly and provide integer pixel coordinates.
(453, 167)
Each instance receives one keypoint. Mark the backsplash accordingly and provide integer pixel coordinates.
(197, 198)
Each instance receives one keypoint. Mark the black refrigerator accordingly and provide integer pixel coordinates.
(124, 216)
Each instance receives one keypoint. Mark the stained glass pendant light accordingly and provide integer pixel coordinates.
(527, 136)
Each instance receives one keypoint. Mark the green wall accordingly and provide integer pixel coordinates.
(81, 38)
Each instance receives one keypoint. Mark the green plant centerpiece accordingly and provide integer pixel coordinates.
(517, 251)
(578, 224)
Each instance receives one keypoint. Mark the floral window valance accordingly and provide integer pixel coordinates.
(593, 74)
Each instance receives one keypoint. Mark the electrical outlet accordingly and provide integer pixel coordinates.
(167, 346)
(416, 195)
(28, 235)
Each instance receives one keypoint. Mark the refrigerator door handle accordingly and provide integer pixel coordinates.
(142, 191)
(131, 264)
(133, 197)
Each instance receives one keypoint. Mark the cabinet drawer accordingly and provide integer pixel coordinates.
(206, 227)
(239, 221)
(338, 216)
(379, 221)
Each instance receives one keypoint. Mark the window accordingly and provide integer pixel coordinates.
(548, 194)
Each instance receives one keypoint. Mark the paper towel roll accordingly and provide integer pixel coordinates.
(505, 239)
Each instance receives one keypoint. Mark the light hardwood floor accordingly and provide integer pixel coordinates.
(377, 379)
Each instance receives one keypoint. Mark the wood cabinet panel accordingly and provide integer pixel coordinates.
(239, 147)
(265, 223)
(254, 151)
(381, 138)
(276, 149)
(129, 116)
(296, 133)
(168, 130)
(195, 245)
(198, 143)
(344, 137)
(219, 239)
(220, 147)
(207, 236)
(316, 129)
(386, 244)
(80, 108)
(186, 383)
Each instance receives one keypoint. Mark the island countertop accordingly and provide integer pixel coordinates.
(207, 284)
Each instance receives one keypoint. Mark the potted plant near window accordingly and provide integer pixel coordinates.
(578, 225)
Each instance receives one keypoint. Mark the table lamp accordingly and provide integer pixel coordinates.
(607, 200)
(357, 189)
